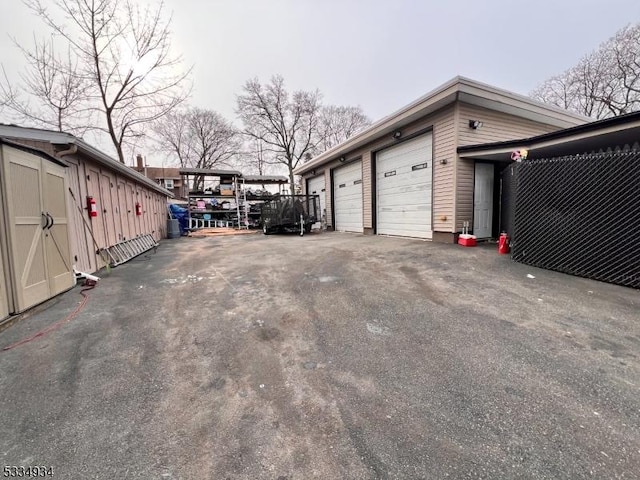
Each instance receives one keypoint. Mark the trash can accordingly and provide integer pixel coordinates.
(173, 228)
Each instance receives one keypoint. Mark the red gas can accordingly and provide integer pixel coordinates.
(503, 244)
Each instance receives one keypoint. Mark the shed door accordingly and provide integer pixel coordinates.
(347, 194)
(131, 214)
(25, 224)
(483, 200)
(403, 188)
(56, 237)
(316, 186)
(107, 210)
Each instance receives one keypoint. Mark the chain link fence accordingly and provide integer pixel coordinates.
(580, 215)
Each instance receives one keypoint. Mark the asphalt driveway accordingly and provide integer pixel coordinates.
(328, 356)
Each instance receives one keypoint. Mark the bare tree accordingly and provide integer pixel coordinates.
(122, 53)
(198, 138)
(337, 124)
(56, 86)
(604, 83)
(285, 125)
(254, 157)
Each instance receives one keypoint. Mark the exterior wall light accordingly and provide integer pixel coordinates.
(475, 124)
(397, 134)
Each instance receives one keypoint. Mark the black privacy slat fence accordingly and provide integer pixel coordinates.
(580, 215)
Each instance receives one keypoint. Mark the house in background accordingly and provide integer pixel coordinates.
(168, 178)
(404, 174)
(127, 204)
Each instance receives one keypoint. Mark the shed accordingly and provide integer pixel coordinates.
(128, 204)
(35, 257)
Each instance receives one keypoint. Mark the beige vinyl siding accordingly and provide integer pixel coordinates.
(444, 149)
(496, 127)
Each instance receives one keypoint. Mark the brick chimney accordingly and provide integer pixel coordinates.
(140, 161)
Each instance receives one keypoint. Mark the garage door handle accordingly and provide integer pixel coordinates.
(46, 219)
(52, 222)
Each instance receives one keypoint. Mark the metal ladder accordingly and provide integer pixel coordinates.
(124, 251)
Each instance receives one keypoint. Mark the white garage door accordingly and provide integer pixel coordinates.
(316, 186)
(403, 188)
(347, 197)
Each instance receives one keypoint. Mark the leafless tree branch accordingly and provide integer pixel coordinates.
(119, 72)
(604, 83)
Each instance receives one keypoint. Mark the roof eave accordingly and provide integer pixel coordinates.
(120, 167)
(439, 98)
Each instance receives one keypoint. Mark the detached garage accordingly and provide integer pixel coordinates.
(404, 176)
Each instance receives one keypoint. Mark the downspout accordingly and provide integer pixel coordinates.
(69, 151)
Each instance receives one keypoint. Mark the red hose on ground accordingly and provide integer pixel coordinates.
(90, 284)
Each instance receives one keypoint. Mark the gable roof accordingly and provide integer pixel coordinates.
(457, 89)
(15, 132)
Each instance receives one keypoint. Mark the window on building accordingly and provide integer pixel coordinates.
(168, 183)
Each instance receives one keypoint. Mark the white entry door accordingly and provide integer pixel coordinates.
(483, 200)
(347, 197)
(403, 188)
(315, 186)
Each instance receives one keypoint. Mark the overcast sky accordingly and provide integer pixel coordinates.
(377, 54)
